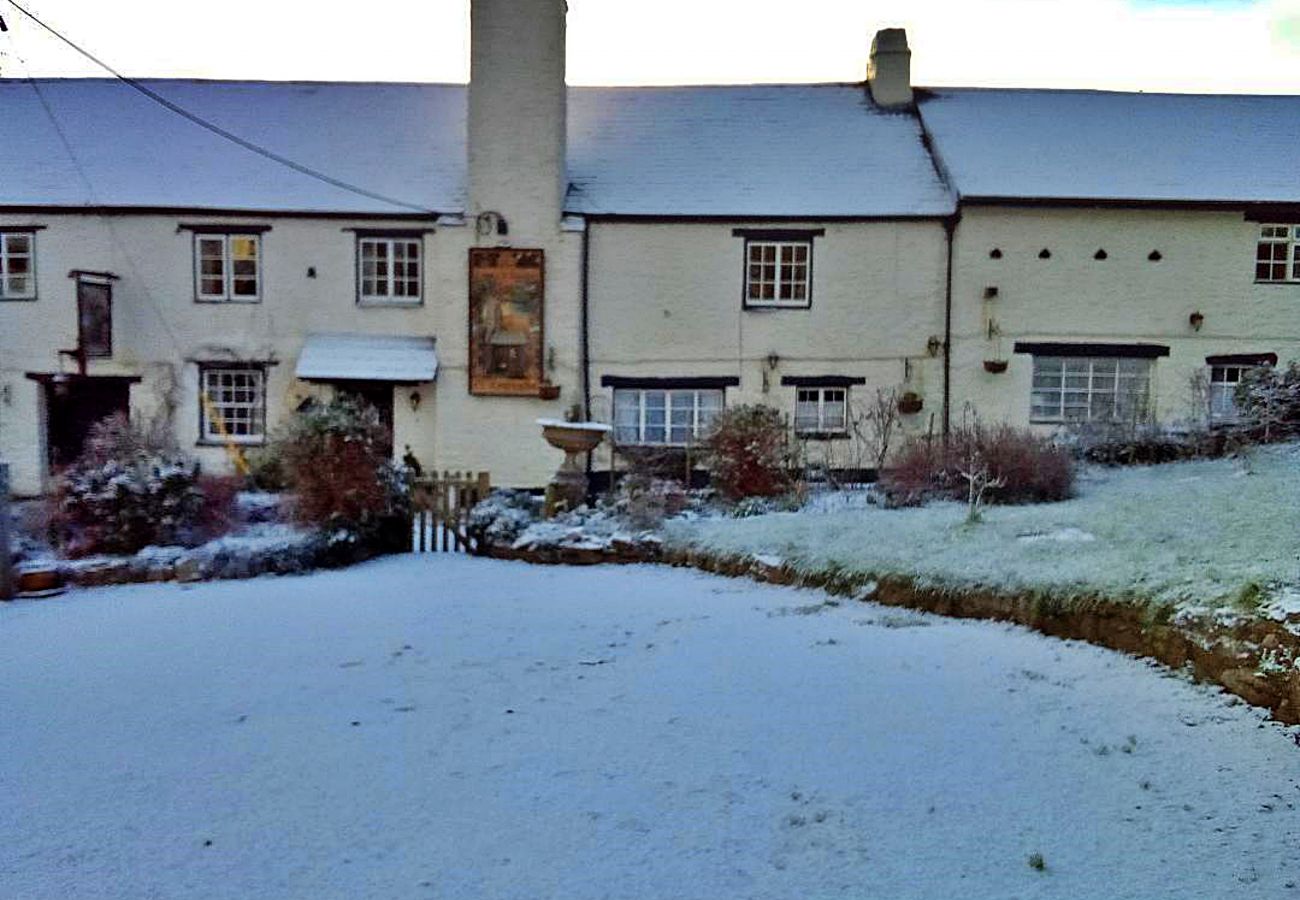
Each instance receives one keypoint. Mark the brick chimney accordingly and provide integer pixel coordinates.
(517, 108)
(889, 69)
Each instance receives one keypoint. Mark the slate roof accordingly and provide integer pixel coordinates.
(1096, 145)
(779, 150)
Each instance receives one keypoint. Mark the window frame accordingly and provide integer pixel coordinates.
(778, 237)
(207, 439)
(391, 240)
(697, 427)
(1232, 414)
(6, 254)
(1090, 392)
(227, 294)
(1291, 251)
(822, 430)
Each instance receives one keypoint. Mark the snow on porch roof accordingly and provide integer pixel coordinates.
(404, 359)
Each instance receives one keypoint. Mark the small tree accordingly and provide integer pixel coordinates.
(750, 453)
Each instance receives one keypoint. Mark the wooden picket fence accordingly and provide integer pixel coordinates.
(441, 506)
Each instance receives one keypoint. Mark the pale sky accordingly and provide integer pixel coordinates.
(1157, 45)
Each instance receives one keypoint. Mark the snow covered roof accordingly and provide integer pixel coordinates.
(778, 150)
(1093, 145)
(781, 150)
(367, 357)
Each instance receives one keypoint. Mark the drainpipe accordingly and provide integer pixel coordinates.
(584, 341)
(949, 229)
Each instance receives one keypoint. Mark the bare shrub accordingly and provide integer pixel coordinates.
(1010, 465)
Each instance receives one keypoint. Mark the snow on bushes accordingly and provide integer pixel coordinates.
(749, 452)
(334, 458)
(129, 490)
(1269, 401)
(1019, 467)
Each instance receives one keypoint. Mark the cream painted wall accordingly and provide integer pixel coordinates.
(1206, 266)
(665, 301)
(160, 332)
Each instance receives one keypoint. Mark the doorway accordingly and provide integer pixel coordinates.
(73, 406)
(378, 394)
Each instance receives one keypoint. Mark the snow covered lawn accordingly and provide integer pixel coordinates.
(1193, 533)
(451, 727)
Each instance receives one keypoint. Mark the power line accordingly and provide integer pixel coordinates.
(217, 129)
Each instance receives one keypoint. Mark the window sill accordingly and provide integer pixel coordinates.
(1295, 282)
(822, 435)
(750, 304)
(226, 301)
(260, 442)
(390, 304)
(17, 299)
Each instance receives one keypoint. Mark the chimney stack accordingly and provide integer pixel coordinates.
(889, 69)
(517, 107)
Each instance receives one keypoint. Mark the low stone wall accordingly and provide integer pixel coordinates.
(1235, 657)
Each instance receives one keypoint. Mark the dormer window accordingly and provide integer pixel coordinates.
(1277, 253)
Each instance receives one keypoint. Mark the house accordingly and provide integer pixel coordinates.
(472, 258)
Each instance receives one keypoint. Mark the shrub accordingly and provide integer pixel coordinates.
(129, 490)
(1269, 401)
(1111, 444)
(1030, 468)
(335, 462)
(749, 452)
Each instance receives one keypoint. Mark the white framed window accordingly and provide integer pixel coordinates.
(388, 270)
(1277, 253)
(1223, 391)
(232, 405)
(1090, 389)
(228, 267)
(668, 417)
(17, 265)
(778, 273)
(821, 410)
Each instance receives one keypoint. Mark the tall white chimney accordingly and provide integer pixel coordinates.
(517, 109)
(889, 69)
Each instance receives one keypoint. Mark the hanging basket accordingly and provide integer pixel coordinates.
(548, 391)
(995, 366)
(910, 403)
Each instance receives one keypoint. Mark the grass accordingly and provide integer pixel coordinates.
(1217, 533)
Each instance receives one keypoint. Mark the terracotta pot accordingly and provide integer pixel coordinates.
(548, 391)
(35, 581)
(910, 403)
(995, 366)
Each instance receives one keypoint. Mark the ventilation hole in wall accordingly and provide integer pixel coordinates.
(1100, 254)
(995, 253)
(1154, 256)
(1044, 253)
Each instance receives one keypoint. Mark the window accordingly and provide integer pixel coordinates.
(232, 404)
(388, 269)
(1277, 255)
(667, 417)
(17, 265)
(777, 273)
(1090, 389)
(228, 266)
(821, 410)
(1223, 391)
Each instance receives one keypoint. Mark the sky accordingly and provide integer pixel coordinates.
(1219, 46)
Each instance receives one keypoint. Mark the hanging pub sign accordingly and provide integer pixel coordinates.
(505, 321)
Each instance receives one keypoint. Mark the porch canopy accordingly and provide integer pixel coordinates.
(399, 359)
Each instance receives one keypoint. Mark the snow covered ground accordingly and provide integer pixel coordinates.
(437, 726)
(1193, 533)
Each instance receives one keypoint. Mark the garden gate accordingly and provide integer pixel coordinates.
(441, 506)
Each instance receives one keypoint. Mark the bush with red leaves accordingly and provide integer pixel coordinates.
(1033, 469)
(749, 452)
(335, 462)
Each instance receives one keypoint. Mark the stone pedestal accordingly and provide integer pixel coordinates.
(568, 487)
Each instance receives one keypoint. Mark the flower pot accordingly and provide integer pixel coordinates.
(910, 403)
(549, 391)
(39, 582)
(995, 366)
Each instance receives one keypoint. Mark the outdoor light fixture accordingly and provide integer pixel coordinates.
(414, 400)
(1196, 320)
(773, 360)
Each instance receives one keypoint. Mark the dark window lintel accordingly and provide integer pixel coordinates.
(1129, 351)
(209, 228)
(1242, 359)
(778, 234)
(702, 382)
(820, 381)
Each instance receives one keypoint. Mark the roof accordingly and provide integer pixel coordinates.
(760, 150)
(403, 359)
(1094, 145)
(776, 150)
